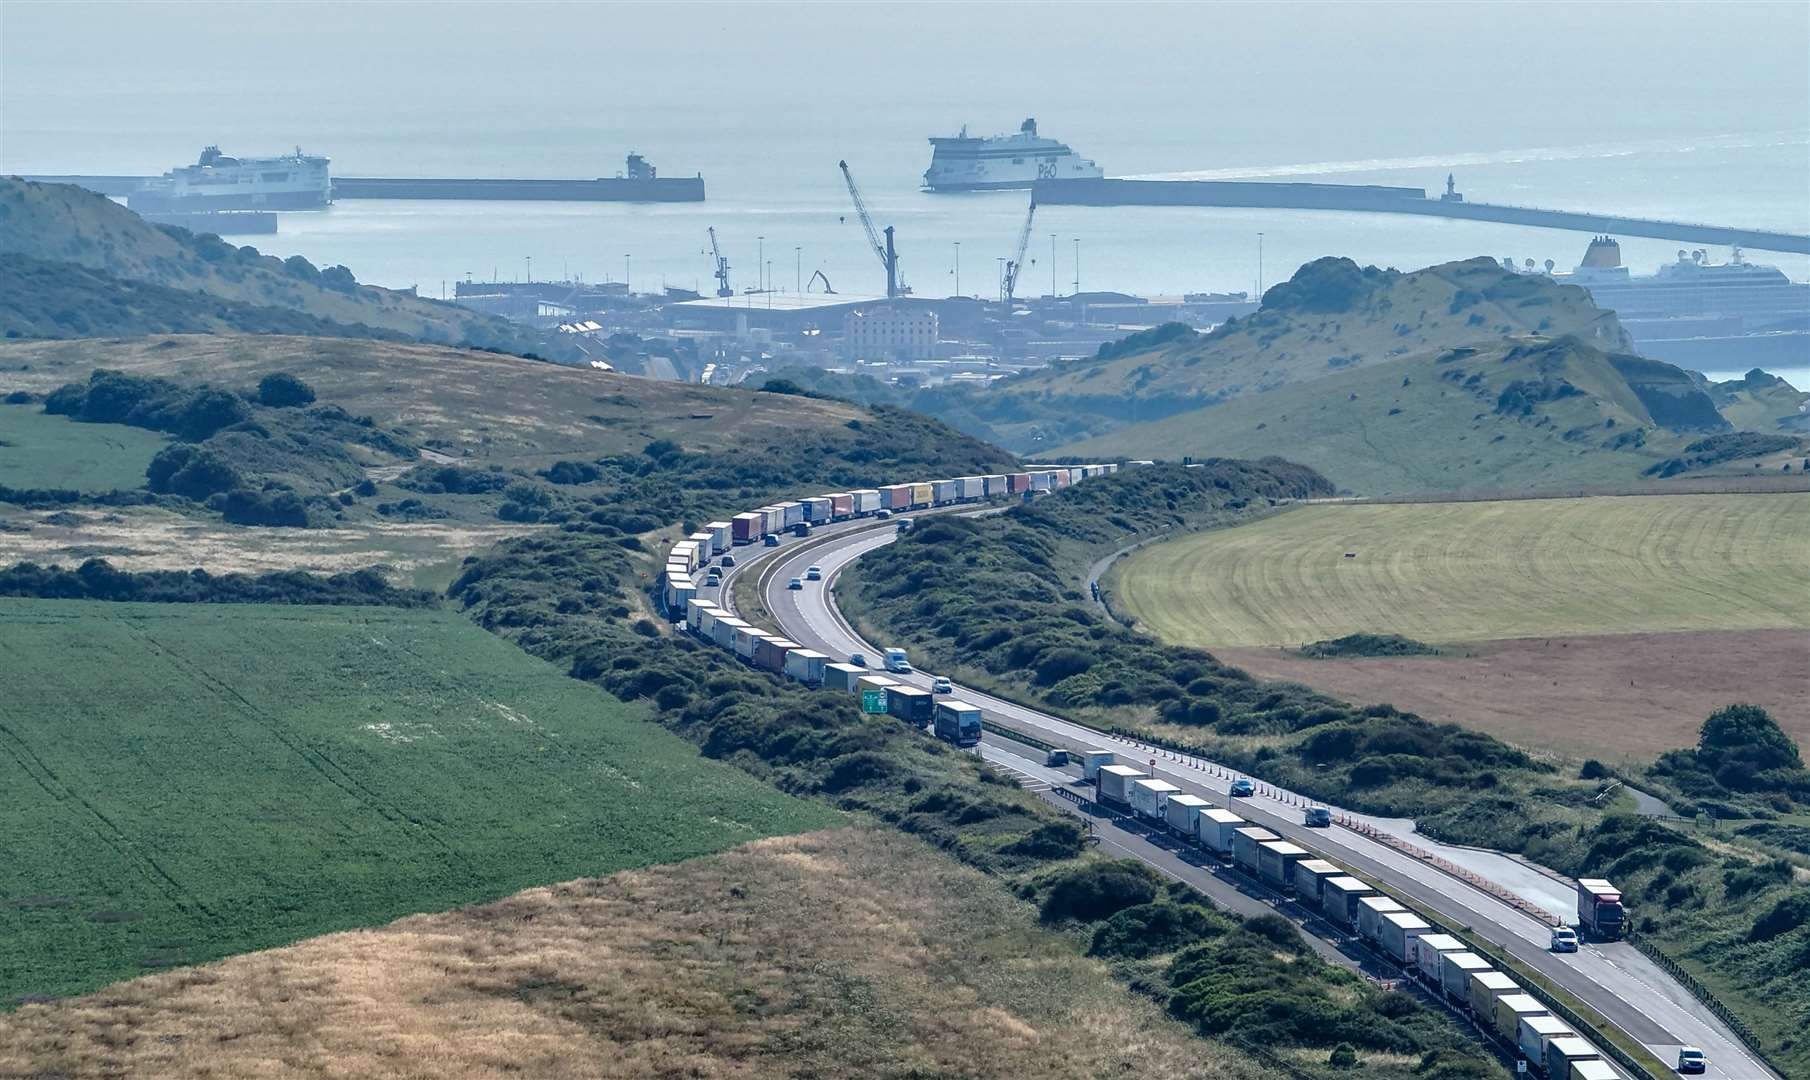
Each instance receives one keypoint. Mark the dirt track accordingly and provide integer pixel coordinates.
(1611, 696)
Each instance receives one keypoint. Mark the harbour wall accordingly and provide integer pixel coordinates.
(1387, 200)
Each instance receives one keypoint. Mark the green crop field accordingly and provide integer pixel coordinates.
(39, 451)
(182, 782)
(1471, 571)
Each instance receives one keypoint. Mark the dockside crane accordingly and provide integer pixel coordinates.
(1017, 261)
(889, 257)
(722, 267)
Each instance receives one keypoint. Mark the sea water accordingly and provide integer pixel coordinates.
(1697, 113)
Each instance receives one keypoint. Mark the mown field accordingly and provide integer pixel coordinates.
(39, 451)
(182, 782)
(776, 959)
(1477, 571)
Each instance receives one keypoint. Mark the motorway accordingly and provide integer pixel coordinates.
(1616, 979)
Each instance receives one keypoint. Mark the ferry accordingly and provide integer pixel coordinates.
(1001, 162)
(295, 181)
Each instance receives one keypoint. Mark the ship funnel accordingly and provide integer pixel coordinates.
(1029, 127)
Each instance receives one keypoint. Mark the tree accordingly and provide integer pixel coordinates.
(281, 390)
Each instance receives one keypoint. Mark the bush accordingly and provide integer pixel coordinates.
(274, 506)
(1152, 929)
(281, 390)
(97, 579)
(1099, 889)
(192, 471)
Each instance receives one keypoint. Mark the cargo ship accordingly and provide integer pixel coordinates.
(216, 181)
(1001, 162)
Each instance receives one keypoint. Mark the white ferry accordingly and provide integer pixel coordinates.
(998, 162)
(217, 182)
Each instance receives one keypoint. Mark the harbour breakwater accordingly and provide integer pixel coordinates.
(1394, 200)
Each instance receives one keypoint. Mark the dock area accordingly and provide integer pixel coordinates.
(1395, 200)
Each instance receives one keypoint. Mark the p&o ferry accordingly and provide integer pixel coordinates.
(295, 181)
(999, 162)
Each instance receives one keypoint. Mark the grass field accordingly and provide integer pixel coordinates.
(1474, 571)
(777, 959)
(183, 782)
(39, 451)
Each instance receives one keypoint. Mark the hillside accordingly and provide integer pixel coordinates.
(1331, 317)
(66, 224)
(43, 299)
(1762, 403)
(1527, 412)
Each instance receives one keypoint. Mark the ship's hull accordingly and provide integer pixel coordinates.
(154, 201)
(949, 186)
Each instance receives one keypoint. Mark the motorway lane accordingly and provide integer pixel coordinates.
(1616, 979)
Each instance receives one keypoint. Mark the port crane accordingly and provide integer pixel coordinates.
(1017, 261)
(722, 267)
(823, 277)
(889, 258)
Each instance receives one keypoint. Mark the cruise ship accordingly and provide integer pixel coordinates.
(1697, 312)
(970, 163)
(217, 182)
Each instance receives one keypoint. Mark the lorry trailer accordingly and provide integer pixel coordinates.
(1370, 912)
(1534, 1033)
(1216, 829)
(1511, 1009)
(1455, 971)
(1148, 796)
(908, 703)
(1396, 933)
(1310, 874)
(842, 676)
(1429, 949)
(1244, 846)
(806, 666)
(874, 693)
(1182, 814)
(1276, 860)
(1486, 988)
(1115, 783)
(958, 722)
(1092, 760)
(1339, 898)
(1562, 1051)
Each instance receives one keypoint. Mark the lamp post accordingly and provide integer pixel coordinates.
(760, 260)
(530, 260)
(626, 287)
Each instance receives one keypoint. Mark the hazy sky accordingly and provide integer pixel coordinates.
(1335, 80)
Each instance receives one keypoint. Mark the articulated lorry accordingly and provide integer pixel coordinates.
(1599, 910)
(958, 722)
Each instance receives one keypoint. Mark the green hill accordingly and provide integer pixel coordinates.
(1332, 317)
(1762, 402)
(61, 223)
(1527, 412)
(44, 299)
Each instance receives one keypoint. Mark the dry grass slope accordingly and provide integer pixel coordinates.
(1479, 571)
(490, 408)
(777, 959)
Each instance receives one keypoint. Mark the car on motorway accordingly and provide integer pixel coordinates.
(771, 540)
(1242, 789)
(1317, 817)
(728, 561)
(1691, 1060)
(904, 524)
(941, 685)
(813, 573)
(1055, 759)
(882, 515)
(857, 659)
(795, 583)
(1564, 939)
(713, 579)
